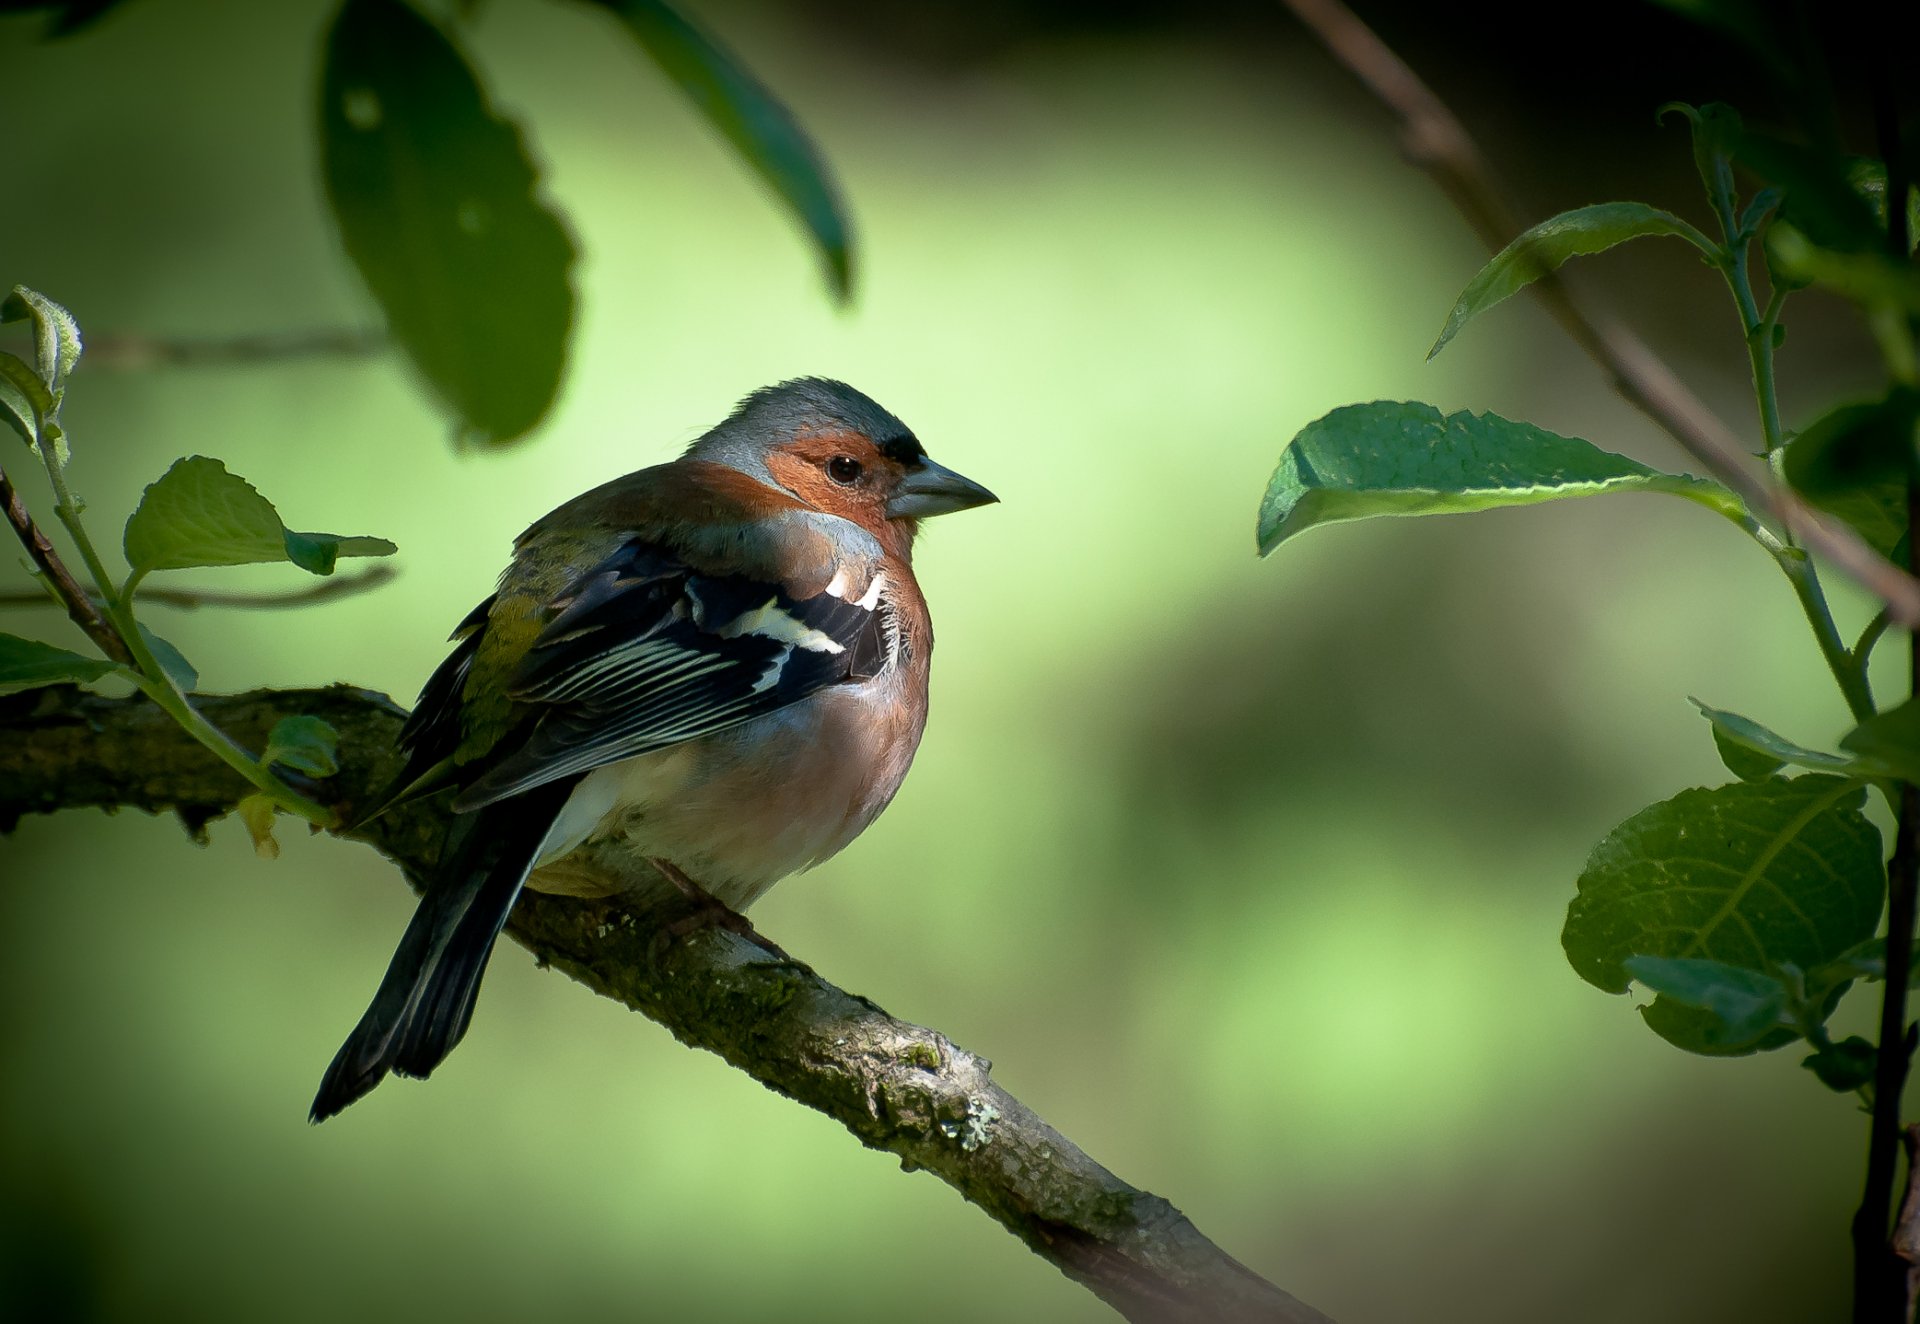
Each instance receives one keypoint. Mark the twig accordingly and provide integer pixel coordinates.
(897, 1087)
(127, 351)
(79, 606)
(339, 586)
(1436, 141)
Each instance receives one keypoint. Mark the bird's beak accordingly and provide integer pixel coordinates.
(932, 489)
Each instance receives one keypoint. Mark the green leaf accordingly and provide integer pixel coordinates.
(27, 664)
(1819, 198)
(178, 670)
(1870, 278)
(305, 744)
(1759, 745)
(24, 400)
(1852, 462)
(434, 194)
(56, 336)
(1743, 761)
(762, 130)
(1759, 875)
(1890, 740)
(199, 514)
(1844, 1066)
(1393, 458)
(1543, 248)
(1716, 129)
(1742, 1006)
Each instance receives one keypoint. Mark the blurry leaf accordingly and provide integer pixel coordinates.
(1716, 129)
(1852, 462)
(1393, 458)
(762, 130)
(67, 16)
(1758, 875)
(434, 197)
(1890, 739)
(1757, 208)
(1868, 176)
(1868, 277)
(24, 400)
(256, 813)
(1748, 23)
(1866, 960)
(27, 664)
(56, 336)
(178, 670)
(305, 744)
(199, 514)
(1550, 243)
(1844, 1066)
(1818, 197)
(1742, 1006)
(1759, 745)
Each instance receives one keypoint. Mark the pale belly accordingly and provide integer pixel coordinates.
(739, 810)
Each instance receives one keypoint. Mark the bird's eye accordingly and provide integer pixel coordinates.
(844, 469)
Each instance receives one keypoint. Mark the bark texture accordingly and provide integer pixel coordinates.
(896, 1086)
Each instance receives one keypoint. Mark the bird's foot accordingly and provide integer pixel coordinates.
(709, 912)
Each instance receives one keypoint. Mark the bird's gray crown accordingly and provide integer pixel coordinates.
(774, 415)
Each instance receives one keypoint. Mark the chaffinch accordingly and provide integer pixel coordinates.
(715, 667)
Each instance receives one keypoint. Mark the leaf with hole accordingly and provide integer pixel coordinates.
(1759, 875)
(28, 664)
(199, 514)
(1543, 248)
(1394, 458)
(760, 128)
(435, 198)
(56, 336)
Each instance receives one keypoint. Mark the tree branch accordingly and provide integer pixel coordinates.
(74, 598)
(1436, 142)
(897, 1087)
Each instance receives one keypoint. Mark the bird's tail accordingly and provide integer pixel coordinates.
(427, 996)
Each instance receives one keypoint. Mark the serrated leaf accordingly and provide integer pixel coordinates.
(1890, 740)
(1759, 875)
(305, 744)
(199, 514)
(172, 661)
(1760, 743)
(1742, 1006)
(1395, 458)
(1543, 248)
(435, 198)
(256, 814)
(762, 130)
(28, 664)
(56, 336)
(1844, 1066)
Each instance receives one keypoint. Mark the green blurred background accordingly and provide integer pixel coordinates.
(1248, 876)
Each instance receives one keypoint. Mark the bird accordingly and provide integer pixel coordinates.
(713, 670)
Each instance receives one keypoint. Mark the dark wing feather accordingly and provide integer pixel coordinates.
(643, 652)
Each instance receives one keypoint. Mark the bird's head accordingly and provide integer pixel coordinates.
(839, 452)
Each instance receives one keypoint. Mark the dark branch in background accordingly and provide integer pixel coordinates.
(79, 606)
(128, 351)
(1881, 1278)
(327, 590)
(897, 1087)
(1436, 142)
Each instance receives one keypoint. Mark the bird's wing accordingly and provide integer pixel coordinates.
(644, 651)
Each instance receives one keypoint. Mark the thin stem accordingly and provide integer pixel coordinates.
(1863, 648)
(58, 580)
(188, 599)
(1849, 672)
